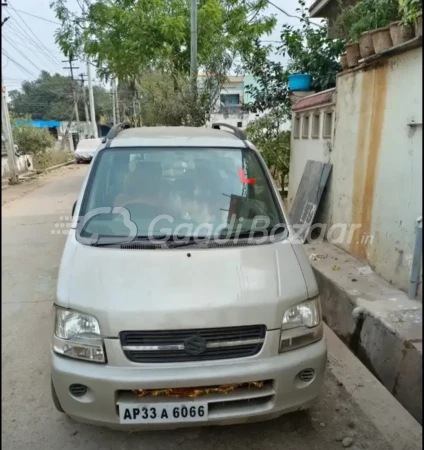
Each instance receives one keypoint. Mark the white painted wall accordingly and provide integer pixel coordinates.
(21, 162)
(376, 178)
(383, 100)
(302, 149)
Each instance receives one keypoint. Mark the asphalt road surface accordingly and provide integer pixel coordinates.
(30, 260)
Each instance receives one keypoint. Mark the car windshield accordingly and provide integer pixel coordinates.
(161, 192)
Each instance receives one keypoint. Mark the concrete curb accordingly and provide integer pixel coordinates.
(380, 325)
(5, 184)
(57, 166)
(393, 421)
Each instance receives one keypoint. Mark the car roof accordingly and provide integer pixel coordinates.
(175, 137)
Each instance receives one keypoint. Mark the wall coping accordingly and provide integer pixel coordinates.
(315, 100)
(375, 60)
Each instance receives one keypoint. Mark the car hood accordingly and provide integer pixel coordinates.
(181, 288)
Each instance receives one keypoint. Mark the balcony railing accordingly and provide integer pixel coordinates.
(229, 110)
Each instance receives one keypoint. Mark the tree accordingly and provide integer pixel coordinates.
(50, 97)
(126, 37)
(273, 143)
(169, 101)
(309, 51)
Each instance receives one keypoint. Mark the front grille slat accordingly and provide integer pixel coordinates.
(173, 337)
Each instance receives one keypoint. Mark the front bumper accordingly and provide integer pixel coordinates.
(106, 382)
(83, 157)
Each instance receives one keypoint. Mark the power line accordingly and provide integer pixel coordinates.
(25, 37)
(37, 17)
(21, 53)
(22, 44)
(292, 16)
(17, 64)
(45, 50)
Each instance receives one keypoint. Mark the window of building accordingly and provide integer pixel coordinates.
(305, 127)
(230, 99)
(296, 131)
(315, 125)
(239, 124)
(327, 125)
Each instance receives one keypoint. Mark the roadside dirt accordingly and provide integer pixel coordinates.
(10, 193)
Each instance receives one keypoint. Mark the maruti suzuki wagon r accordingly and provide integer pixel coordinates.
(183, 296)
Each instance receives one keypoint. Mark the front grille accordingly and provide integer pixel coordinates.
(181, 345)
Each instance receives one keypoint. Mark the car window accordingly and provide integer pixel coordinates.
(177, 191)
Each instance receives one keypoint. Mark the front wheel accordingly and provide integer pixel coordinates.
(55, 399)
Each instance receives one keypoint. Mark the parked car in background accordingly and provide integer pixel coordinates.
(86, 149)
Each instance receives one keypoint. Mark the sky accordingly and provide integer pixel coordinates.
(28, 39)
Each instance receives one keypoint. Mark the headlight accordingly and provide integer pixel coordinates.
(305, 314)
(78, 336)
(301, 325)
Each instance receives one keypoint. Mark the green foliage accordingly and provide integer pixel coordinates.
(168, 100)
(365, 15)
(35, 141)
(50, 97)
(51, 158)
(309, 50)
(409, 10)
(125, 37)
(273, 143)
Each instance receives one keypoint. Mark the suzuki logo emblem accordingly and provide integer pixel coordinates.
(195, 345)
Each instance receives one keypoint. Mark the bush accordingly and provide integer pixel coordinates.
(51, 158)
(409, 10)
(366, 15)
(35, 141)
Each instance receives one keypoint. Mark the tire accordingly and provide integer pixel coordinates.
(55, 399)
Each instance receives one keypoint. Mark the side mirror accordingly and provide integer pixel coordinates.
(104, 140)
(73, 208)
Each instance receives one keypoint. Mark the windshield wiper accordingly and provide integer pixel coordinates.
(249, 233)
(106, 244)
(126, 241)
(192, 240)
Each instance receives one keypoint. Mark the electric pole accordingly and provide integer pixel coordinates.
(91, 101)
(87, 118)
(114, 101)
(117, 117)
(6, 18)
(7, 128)
(75, 94)
(8, 136)
(193, 46)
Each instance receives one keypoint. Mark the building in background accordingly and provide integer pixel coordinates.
(229, 107)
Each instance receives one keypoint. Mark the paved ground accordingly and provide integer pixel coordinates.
(30, 261)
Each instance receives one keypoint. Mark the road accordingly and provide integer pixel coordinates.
(30, 261)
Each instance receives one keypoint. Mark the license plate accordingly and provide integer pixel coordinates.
(163, 412)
